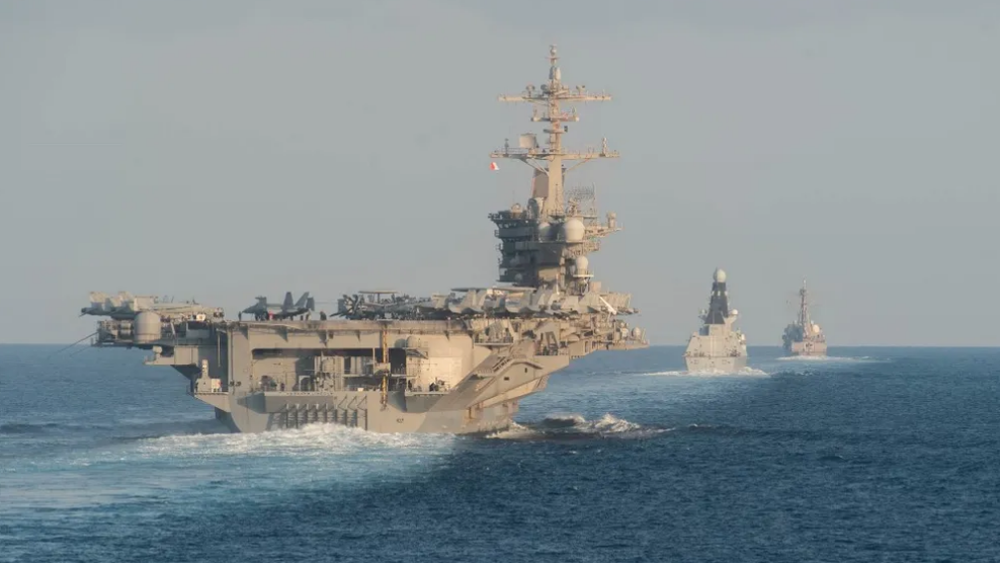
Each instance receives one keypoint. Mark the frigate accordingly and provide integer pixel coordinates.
(456, 362)
(803, 337)
(717, 347)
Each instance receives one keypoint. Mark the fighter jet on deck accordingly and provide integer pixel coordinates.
(263, 311)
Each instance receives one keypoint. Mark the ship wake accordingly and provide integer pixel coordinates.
(314, 441)
(574, 427)
(825, 359)
(198, 461)
(746, 371)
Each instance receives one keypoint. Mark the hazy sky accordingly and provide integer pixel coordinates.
(222, 149)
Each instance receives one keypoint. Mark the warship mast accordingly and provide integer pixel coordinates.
(546, 245)
(804, 320)
(548, 183)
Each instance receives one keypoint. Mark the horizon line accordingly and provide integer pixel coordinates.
(926, 346)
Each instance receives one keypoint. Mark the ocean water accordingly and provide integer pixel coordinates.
(875, 454)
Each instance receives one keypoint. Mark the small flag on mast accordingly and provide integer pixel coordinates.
(493, 166)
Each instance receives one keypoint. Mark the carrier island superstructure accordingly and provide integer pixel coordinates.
(455, 363)
(803, 337)
(717, 347)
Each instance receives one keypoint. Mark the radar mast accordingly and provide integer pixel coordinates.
(548, 101)
(804, 320)
(546, 245)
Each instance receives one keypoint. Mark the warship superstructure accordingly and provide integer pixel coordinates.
(803, 337)
(717, 347)
(457, 362)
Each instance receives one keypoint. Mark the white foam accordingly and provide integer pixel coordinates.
(325, 445)
(609, 424)
(575, 425)
(824, 359)
(515, 431)
(203, 465)
(745, 371)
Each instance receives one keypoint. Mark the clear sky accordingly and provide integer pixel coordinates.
(222, 149)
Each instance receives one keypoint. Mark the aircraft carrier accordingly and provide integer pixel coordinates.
(457, 362)
(804, 338)
(717, 347)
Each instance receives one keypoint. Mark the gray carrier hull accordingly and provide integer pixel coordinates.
(448, 376)
(438, 380)
(269, 411)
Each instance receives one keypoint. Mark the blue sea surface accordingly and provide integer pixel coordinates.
(876, 454)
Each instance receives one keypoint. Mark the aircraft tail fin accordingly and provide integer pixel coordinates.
(302, 301)
(288, 304)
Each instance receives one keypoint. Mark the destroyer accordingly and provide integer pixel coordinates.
(717, 347)
(457, 362)
(804, 338)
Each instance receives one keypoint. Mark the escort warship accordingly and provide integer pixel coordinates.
(717, 347)
(804, 338)
(450, 363)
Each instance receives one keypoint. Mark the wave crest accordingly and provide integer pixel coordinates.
(576, 427)
(315, 440)
(745, 371)
(26, 428)
(825, 359)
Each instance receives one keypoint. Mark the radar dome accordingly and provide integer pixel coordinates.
(582, 264)
(544, 231)
(719, 276)
(147, 327)
(574, 230)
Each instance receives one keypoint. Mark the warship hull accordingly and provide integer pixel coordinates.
(716, 365)
(403, 376)
(260, 414)
(439, 376)
(805, 348)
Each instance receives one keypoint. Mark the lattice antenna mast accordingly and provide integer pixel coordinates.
(804, 306)
(549, 99)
